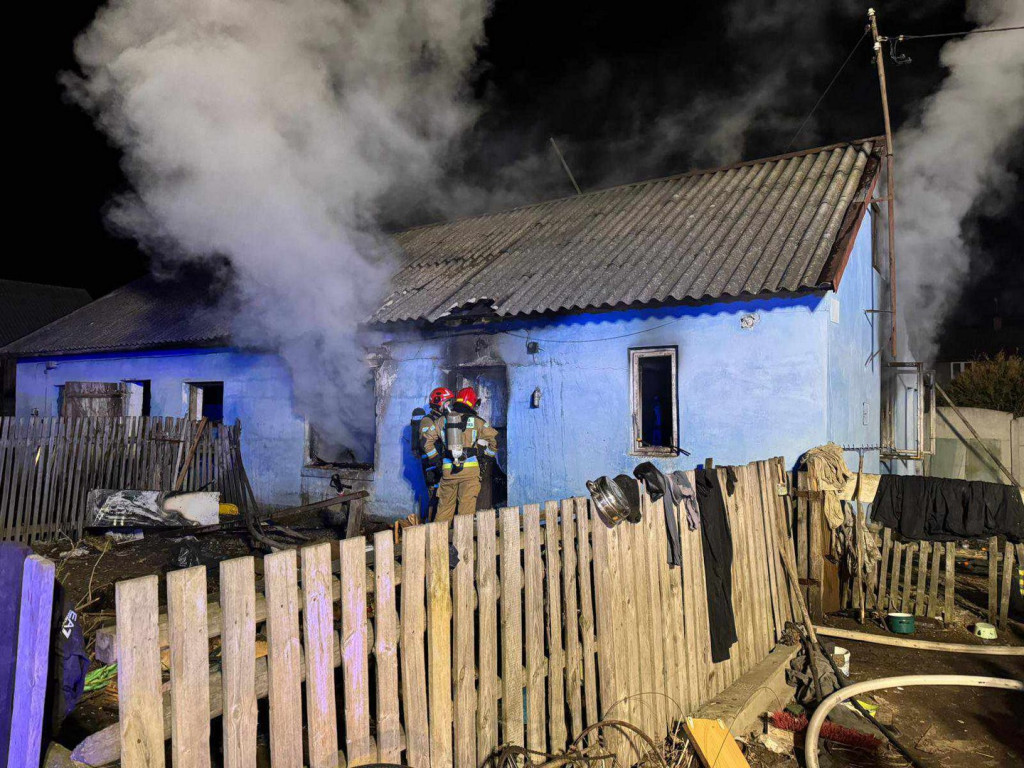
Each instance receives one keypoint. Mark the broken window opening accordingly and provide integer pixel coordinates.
(206, 400)
(322, 451)
(653, 379)
(139, 398)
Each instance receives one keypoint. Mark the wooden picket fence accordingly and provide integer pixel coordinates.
(919, 577)
(49, 465)
(548, 622)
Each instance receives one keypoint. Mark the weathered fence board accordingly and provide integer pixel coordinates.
(48, 466)
(586, 622)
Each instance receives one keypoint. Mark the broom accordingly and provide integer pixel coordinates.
(830, 731)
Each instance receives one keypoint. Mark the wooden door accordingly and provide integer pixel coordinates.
(93, 399)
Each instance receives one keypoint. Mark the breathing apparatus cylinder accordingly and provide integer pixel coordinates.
(453, 441)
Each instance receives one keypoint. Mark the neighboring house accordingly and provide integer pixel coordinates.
(162, 349)
(960, 345)
(26, 307)
(737, 313)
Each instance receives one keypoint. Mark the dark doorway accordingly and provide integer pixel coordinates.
(491, 385)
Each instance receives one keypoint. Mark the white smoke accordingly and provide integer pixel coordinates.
(269, 131)
(953, 157)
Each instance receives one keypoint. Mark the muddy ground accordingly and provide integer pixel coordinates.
(942, 727)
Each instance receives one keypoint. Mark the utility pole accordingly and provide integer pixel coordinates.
(890, 177)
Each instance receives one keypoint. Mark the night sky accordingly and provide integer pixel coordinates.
(629, 90)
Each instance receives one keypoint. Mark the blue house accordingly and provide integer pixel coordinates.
(736, 313)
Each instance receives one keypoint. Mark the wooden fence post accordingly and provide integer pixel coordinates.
(32, 661)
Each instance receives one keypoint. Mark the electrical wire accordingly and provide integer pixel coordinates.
(828, 87)
(957, 34)
(528, 337)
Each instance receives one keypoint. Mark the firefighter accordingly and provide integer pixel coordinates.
(430, 440)
(466, 438)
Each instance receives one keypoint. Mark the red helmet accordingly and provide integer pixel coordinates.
(467, 396)
(440, 396)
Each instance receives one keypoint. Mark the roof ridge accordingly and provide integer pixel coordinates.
(872, 140)
(70, 288)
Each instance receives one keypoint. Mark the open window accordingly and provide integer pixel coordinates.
(138, 402)
(206, 400)
(653, 383)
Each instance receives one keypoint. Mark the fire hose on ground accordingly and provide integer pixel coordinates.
(818, 718)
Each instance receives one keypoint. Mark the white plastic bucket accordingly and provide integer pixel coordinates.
(842, 658)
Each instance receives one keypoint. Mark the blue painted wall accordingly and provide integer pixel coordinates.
(792, 381)
(854, 368)
(257, 390)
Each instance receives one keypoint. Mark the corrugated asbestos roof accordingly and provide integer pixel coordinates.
(24, 307)
(776, 225)
(145, 314)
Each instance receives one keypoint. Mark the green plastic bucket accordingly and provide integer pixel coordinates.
(901, 623)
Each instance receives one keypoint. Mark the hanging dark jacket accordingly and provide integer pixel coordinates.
(716, 539)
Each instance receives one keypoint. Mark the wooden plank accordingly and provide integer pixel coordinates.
(894, 576)
(487, 617)
(283, 658)
(190, 676)
(908, 566)
(668, 611)
(439, 645)
(389, 727)
(642, 628)
(949, 586)
(714, 745)
(139, 701)
(464, 643)
(238, 661)
(556, 656)
(934, 610)
(993, 579)
(881, 602)
(708, 678)
(654, 555)
(774, 592)
(816, 555)
(922, 575)
(604, 610)
(32, 657)
(571, 620)
(7, 467)
(318, 644)
(536, 665)
(511, 629)
(586, 612)
(414, 667)
(1004, 598)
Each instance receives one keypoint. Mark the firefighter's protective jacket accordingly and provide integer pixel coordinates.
(431, 439)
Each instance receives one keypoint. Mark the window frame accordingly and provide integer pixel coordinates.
(636, 354)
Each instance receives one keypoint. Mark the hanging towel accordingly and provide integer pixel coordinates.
(827, 464)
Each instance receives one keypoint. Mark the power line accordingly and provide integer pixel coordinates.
(959, 34)
(528, 337)
(828, 88)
